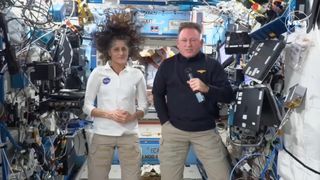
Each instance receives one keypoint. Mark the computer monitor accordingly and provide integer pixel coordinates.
(224, 59)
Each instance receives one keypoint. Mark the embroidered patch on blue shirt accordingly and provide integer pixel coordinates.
(106, 80)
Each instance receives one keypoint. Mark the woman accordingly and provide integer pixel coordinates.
(121, 100)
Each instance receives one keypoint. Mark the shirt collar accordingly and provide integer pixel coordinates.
(108, 67)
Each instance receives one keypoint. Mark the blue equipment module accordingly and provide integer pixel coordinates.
(46, 40)
(58, 12)
(18, 81)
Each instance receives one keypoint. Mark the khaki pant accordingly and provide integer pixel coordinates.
(174, 146)
(101, 155)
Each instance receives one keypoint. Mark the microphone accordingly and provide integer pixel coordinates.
(199, 95)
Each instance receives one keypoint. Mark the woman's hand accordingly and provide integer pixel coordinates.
(122, 116)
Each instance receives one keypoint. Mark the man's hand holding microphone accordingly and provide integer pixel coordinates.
(196, 86)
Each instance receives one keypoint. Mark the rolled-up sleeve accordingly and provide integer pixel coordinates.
(91, 93)
(142, 94)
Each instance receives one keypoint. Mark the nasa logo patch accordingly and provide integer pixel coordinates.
(106, 80)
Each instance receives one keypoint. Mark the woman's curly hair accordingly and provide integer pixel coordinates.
(119, 26)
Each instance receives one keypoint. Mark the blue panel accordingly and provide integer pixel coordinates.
(231, 117)
(93, 58)
(150, 152)
(161, 23)
(58, 12)
(186, 7)
(46, 40)
(18, 80)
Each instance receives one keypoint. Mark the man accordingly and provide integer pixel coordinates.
(186, 90)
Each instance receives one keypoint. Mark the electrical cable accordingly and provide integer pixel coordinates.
(6, 169)
(210, 7)
(245, 158)
(300, 162)
(23, 169)
(240, 161)
(4, 163)
(33, 10)
(289, 20)
(7, 134)
(286, 118)
(271, 157)
(60, 142)
(27, 46)
(73, 8)
(5, 4)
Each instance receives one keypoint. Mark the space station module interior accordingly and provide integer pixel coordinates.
(268, 48)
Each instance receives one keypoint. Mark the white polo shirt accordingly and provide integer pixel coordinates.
(113, 92)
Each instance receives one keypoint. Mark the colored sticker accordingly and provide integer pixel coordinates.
(106, 80)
